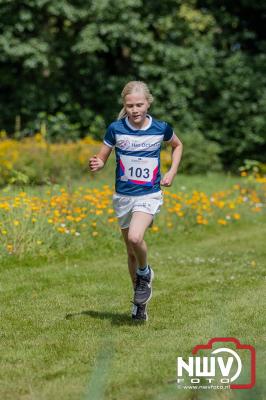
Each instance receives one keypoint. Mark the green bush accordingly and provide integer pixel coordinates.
(55, 128)
(200, 155)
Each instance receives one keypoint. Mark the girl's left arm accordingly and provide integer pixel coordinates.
(177, 149)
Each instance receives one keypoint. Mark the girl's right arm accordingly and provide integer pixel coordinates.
(98, 161)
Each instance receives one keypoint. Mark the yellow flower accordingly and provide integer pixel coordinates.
(155, 228)
(236, 216)
(16, 222)
(5, 206)
(9, 248)
(222, 222)
(94, 233)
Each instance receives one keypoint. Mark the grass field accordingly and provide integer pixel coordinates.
(66, 331)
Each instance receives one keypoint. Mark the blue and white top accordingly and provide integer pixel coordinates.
(137, 155)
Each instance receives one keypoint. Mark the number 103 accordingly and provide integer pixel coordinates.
(139, 172)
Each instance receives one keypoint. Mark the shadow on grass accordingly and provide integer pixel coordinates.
(115, 318)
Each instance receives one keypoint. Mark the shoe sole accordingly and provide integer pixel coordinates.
(139, 319)
(145, 302)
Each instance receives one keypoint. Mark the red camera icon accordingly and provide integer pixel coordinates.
(238, 346)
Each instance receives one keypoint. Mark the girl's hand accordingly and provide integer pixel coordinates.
(95, 163)
(168, 179)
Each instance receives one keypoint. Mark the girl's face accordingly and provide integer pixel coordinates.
(136, 107)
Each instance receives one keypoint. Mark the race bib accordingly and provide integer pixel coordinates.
(138, 170)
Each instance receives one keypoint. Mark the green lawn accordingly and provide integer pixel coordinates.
(66, 331)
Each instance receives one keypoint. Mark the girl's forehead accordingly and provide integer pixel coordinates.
(135, 97)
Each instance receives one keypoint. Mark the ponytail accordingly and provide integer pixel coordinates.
(122, 113)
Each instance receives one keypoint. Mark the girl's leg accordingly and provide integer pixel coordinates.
(140, 221)
(132, 261)
(138, 312)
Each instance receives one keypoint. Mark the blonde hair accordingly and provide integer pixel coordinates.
(134, 86)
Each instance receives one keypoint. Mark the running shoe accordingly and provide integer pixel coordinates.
(139, 312)
(143, 290)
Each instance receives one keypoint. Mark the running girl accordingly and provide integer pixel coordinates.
(137, 138)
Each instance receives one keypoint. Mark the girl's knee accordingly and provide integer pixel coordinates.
(135, 239)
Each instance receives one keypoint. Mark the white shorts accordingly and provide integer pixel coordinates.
(124, 206)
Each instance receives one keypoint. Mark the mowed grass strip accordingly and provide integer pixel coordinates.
(67, 324)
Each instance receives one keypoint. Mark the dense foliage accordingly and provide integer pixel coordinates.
(65, 63)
